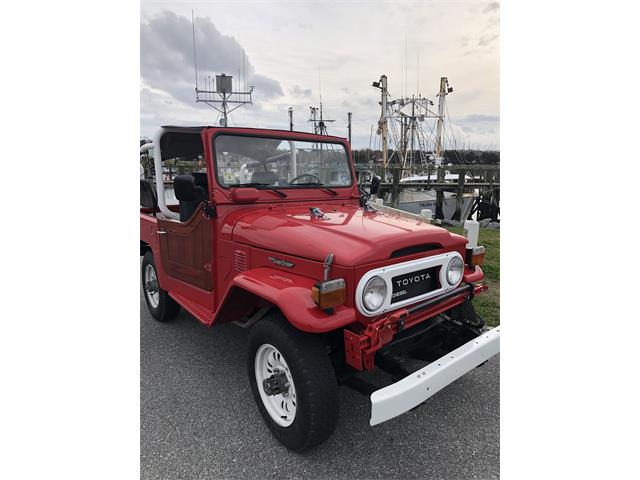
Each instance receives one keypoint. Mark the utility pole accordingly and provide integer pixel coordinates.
(349, 125)
(291, 119)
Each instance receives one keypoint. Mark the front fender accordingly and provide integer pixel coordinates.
(291, 293)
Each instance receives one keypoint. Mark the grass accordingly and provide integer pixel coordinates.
(488, 304)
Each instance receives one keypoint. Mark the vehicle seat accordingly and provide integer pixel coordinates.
(268, 178)
(148, 195)
(189, 195)
(201, 181)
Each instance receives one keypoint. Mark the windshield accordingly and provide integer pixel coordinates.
(270, 162)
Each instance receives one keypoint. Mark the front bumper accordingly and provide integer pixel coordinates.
(361, 346)
(411, 391)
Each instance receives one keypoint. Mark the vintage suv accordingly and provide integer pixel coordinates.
(268, 229)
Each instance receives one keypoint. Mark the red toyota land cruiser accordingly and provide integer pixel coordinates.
(268, 229)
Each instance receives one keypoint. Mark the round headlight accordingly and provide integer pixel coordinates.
(455, 270)
(374, 293)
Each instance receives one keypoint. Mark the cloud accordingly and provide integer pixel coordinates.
(298, 91)
(322, 50)
(167, 63)
(476, 118)
(487, 40)
(491, 7)
(480, 131)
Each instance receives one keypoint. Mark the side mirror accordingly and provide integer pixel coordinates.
(184, 187)
(375, 185)
(245, 195)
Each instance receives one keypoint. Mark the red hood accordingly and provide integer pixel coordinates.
(354, 236)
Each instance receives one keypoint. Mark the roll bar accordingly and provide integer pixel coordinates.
(157, 160)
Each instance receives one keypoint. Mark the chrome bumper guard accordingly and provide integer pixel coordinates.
(411, 391)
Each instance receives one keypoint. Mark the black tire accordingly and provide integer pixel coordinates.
(313, 376)
(167, 308)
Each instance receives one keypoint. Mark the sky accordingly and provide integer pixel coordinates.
(297, 51)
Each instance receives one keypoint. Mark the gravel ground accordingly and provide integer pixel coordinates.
(199, 420)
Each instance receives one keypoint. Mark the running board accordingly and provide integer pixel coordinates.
(203, 314)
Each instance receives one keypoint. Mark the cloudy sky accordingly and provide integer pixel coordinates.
(297, 50)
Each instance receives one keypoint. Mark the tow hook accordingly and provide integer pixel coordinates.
(276, 384)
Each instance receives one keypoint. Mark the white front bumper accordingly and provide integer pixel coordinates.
(411, 391)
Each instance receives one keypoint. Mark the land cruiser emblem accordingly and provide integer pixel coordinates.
(281, 262)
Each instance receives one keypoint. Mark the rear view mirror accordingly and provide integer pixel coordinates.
(375, 185)
(185, 188)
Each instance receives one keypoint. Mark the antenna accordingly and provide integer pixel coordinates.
(406, 68)
(224, 93)
(319, 125)
(195, 60)
(418, 72)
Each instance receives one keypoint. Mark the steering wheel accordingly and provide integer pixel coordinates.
(309, 175)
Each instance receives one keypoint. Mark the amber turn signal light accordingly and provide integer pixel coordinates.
(329, 294)
(475, 256)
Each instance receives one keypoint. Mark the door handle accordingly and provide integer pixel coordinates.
(161, 232)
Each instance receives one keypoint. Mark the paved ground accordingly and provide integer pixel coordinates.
(198, 419)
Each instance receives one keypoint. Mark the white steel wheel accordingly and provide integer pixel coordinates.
(271, 369)
(151, 287)
(161, 306)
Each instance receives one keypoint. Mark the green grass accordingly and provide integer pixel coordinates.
(488, 303)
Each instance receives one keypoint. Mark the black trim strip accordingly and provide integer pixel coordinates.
(468, 288)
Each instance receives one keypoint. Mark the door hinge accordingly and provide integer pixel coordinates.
(210, 210)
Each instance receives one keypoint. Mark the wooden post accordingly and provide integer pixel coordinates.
(459, 195)
(440, 195)
(395, 189)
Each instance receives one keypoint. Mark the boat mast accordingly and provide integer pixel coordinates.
(382, 123)
(444, 89)
(413, 129)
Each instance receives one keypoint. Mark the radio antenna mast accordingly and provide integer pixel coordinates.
(195, 59)
(319, 122)
(221, 94)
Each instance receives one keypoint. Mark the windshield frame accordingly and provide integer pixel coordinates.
(302, 137)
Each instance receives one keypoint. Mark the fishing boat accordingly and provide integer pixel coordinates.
(405, 131)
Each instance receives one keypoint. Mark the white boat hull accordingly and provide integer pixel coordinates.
(415, 201)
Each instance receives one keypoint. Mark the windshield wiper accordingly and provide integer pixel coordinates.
(319, 185)
(261, 186)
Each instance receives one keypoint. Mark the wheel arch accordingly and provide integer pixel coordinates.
(288, 292)
(144, 247)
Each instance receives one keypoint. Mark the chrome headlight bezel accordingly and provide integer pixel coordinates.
(381, 286)
(455, 271)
